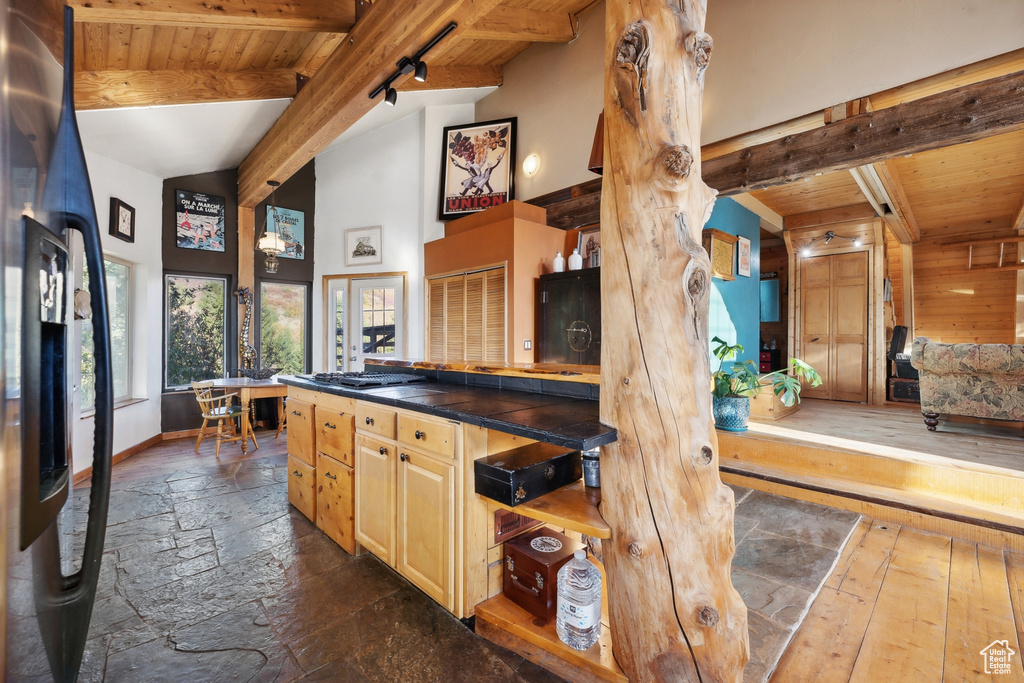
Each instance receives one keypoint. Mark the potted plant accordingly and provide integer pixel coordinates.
(732, 388)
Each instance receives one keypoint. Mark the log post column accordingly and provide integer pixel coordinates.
(675, 615)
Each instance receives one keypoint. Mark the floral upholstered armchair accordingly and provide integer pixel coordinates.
(977, 380)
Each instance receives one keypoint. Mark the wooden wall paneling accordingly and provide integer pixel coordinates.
(955, 305)
(894, 271)
(877, 340)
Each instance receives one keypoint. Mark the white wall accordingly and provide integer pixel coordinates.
(388, 177)
(772, 61)
(135, 423)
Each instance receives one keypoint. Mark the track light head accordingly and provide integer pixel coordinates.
(421, 71)
(391, 96)
(829, 236)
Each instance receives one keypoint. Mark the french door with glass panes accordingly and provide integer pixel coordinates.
(365, 318)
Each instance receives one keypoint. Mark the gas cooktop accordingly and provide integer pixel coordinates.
(365, 380)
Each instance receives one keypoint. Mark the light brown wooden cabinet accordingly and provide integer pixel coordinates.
(335, 433)
(375, 496)
(405, 497)
(335, 509)
(425, 528)
(301, 439)
(302, 487)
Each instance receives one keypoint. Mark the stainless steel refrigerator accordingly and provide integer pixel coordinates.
(47, 597)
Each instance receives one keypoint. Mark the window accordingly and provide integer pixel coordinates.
(196, 329)
(119, 286)
(283, 327)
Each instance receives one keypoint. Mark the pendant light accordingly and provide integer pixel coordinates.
(270, 242)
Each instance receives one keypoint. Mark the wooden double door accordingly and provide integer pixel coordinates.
(834, 324)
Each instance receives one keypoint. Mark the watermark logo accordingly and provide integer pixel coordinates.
(997, 657)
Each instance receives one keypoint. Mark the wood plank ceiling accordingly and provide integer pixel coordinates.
(156, 52)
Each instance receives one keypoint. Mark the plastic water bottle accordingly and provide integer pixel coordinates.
(578, 619)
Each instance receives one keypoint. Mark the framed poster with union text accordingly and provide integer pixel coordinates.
(477, 167)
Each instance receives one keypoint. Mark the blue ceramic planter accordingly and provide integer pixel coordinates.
(731, 413)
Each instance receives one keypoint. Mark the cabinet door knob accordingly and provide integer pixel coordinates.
(383, 451)
(369, 420)
(403, 457)
(331, 476)
(329, 425)
(420, 435)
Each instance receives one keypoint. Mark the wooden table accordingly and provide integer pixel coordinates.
(249, 389)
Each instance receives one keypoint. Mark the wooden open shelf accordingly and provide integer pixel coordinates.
(572, 507)
(505, 623)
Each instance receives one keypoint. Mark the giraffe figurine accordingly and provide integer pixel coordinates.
(246, 350)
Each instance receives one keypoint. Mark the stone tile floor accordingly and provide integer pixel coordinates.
(209, 575)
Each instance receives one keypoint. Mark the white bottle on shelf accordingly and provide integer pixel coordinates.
(559, 265)
(575, 260)
(578, 616)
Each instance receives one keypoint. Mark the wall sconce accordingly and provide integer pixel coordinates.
(531, 164)
(414, 64)
(270, 242)
(805, 251)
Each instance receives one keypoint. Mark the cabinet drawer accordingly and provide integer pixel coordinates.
(300, 431)
(302, 487)
(335, 501)
(432, 436)
(374, 419)
(334, 434)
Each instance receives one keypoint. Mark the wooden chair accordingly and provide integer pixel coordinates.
(220, 409)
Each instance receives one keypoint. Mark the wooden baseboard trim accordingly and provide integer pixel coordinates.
(118, 457)
(183, 434)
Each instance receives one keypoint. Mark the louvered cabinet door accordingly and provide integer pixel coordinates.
(494, 315)
(455, 318)
(474, 317)
(435, 320)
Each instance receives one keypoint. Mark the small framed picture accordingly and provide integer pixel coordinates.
(590, 246)
(363, 246)
(743, 266)
(122, 220)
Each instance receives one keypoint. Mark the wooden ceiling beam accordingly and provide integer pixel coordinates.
(1018, 219)
(330, 16)
(111, 89)
(449, 77)
(902, 221)
(771, 221)
(338, 94)
(522, 24)
(971, 113)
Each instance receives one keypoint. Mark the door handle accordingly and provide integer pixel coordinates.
(816, 339)
(403, 457)
(329, 425)
(383, 451)
(420, 435)
(331, 476)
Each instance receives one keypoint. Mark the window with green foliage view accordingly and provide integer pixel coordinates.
(119, 283)
(196, 329)
(283, 327)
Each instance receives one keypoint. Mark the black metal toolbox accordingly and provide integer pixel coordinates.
(524, 473)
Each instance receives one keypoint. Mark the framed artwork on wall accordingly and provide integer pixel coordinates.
(743, 262)
(363, 246)
(477, 167)
(199, 220)
(290, 227)
(721, 249)
(590, 246)
(122, 220)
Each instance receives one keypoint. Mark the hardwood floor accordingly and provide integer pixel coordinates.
(906, 605)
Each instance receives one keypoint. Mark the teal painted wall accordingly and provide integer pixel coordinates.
(735, 313)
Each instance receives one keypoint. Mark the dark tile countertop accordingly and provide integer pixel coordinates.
(562, 420)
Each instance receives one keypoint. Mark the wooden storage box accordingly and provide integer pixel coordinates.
(521, 474)
(530, 575)
(767, 406)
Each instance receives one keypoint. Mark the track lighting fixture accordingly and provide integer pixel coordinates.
(414, 65)
(805, 251)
